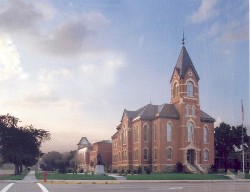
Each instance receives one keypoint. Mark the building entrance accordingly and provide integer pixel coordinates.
(191, 156)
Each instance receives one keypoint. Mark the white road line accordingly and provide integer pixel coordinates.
(5, 189)
(42, 187)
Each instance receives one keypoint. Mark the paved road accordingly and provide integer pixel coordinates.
(30, 184)
(131, 187)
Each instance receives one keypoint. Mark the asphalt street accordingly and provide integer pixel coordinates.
(130, 187)
(30, 184)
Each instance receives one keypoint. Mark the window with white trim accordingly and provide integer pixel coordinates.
(206, 155)
(175, 90)
(190, 89)
(169, 154)
(155, 153)
(205, 134)
(190, 132)
(187, 110)
(193, 110)
(169, 132)
(145, 130)
(145, 154)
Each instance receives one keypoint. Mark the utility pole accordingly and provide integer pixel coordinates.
(242, 137)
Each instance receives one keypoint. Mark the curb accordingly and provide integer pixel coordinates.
(79, 182)
(137, 181)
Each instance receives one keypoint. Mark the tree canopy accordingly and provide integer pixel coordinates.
(226, 138)
(20, 145)
(58, 161)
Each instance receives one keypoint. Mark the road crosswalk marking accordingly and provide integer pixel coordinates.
(42, 187)
(5, 189)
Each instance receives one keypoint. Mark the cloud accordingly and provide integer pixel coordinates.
(21, 15)
(72, 36)
(205, 11)
(101, 68)
(218, 122)
(234, 31)
(9, 60)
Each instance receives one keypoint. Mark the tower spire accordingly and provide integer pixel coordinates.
(183, 39)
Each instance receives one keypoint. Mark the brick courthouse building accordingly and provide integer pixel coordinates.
(159, 136)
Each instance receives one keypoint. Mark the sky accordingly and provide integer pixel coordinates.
(72, 67)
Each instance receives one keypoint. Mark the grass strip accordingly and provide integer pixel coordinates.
(59, 176)
(176, 176)
(13, 177)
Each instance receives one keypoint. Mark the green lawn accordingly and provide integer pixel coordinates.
(247, 176)
(176, 176)
(58, 176)
(13, 177)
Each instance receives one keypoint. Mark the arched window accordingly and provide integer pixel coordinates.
(187, 110)
(137, 154)
(145, 154)
(205, 134)
(190, 89)
(175, 90)
(155, 153)
(190, 132)
(206, 155)
(124, 137)
(135, 134)
(169, 132)
(193, 110)
(169, 153)
(145, 135)
(155, 132)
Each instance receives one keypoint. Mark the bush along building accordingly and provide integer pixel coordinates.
(157, 137)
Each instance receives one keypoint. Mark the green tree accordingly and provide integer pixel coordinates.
(20, 145)
(226, 138)
(51, 161)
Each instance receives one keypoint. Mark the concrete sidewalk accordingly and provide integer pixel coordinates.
(30, 177)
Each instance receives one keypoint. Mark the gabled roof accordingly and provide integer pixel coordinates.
(184, 63)
(206, 118)
(152, 111)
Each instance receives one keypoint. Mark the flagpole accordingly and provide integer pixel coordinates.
(242, 137)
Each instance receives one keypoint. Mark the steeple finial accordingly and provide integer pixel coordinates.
(183, 39)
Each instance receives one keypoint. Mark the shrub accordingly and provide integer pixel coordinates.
(212, 169)
(179, 167)
(148, 171)
(115, 171)
(134, 172)
(81, 170)
(128, 171)
(139, 170)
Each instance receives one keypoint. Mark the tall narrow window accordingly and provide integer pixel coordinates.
(206, 155)
(137, 130)
(155, 132)
(169, 153)
(190, 132)
(135, 134)
(175, 90)
(155, 153)
(193, 110)
(145, 129)
(187, 110)
(205, 135)
(169, 132)
(190, 89)
(145, 154)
